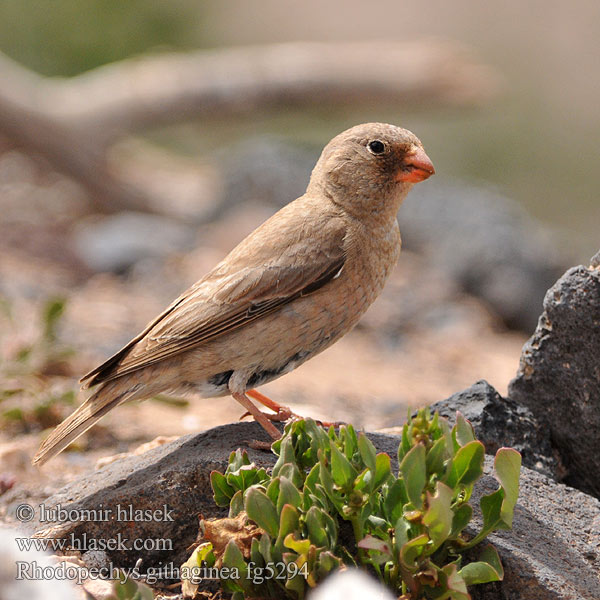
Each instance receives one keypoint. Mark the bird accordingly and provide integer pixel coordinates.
(289, 290)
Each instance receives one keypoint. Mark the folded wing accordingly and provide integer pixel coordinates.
(269, 269)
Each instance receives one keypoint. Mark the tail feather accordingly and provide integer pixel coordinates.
(92, 410)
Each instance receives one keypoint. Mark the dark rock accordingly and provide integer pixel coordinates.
(501, 422)
(173, 479)
(559, 374)
(551, 553)
(486, 242)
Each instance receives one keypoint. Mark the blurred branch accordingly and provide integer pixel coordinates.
(72, 152)
(72, 121)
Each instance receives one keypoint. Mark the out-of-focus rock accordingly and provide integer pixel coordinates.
(486, 242)
(501, 422)
(267, 169)
(115, 243)
(559, 374)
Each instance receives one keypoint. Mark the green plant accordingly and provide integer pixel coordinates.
(331, 500)
(35, 383)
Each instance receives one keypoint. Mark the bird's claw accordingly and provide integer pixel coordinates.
(283, 414)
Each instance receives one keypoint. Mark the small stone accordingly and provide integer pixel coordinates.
(117, 242)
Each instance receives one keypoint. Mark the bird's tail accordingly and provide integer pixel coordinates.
(105, 398)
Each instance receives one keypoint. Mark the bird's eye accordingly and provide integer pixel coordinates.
(376, 147)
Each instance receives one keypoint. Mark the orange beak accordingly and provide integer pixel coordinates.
(416, 167)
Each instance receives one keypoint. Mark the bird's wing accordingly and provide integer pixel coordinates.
(273, 266)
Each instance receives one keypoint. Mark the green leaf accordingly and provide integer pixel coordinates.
(264, 545)
(296, 585)
(412, 550)
(438, 517)
(237, 459)
(364, 481)
(349, 440)
(342, 471)
(462, 516)
(382, 470)
(286, 454)
(436, 457)
(401, 531)
(245, 477)
(487, 569)
(499, 506)
(327, 483)
(331, 528)
(262, 511)
(273, 489)
(404, 446)
(312, 478)
(292, 473)
(455, 584)
(464, 430)
(255, 556)
(234, 559)
(508, 466)
(395, 497)
(467, 465)
(222, 491)
(491, 506)
(413, 469)
(14, 414)
(316, 527)
(382, 549)
(129, 589)
(203, 553)
(289, 522)
(288, 494)
(327, 562)
(367, 451)
(298, 546)
(237, 504)
(52, 313)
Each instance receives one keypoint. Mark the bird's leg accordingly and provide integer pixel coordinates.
(282, 413)
(257, 414)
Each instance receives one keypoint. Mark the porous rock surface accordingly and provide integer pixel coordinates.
(499, 422)
(553, 551)
(559, 374)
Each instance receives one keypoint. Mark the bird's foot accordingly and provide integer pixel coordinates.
(282, 413)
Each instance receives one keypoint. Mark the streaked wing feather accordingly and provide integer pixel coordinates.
(234, 294)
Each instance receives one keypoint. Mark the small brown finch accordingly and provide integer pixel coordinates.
(292, 288)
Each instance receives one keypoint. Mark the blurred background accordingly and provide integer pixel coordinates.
(141, 140)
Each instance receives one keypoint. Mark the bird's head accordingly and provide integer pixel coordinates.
(370, 167)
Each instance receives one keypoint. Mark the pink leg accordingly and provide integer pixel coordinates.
(258, 415)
